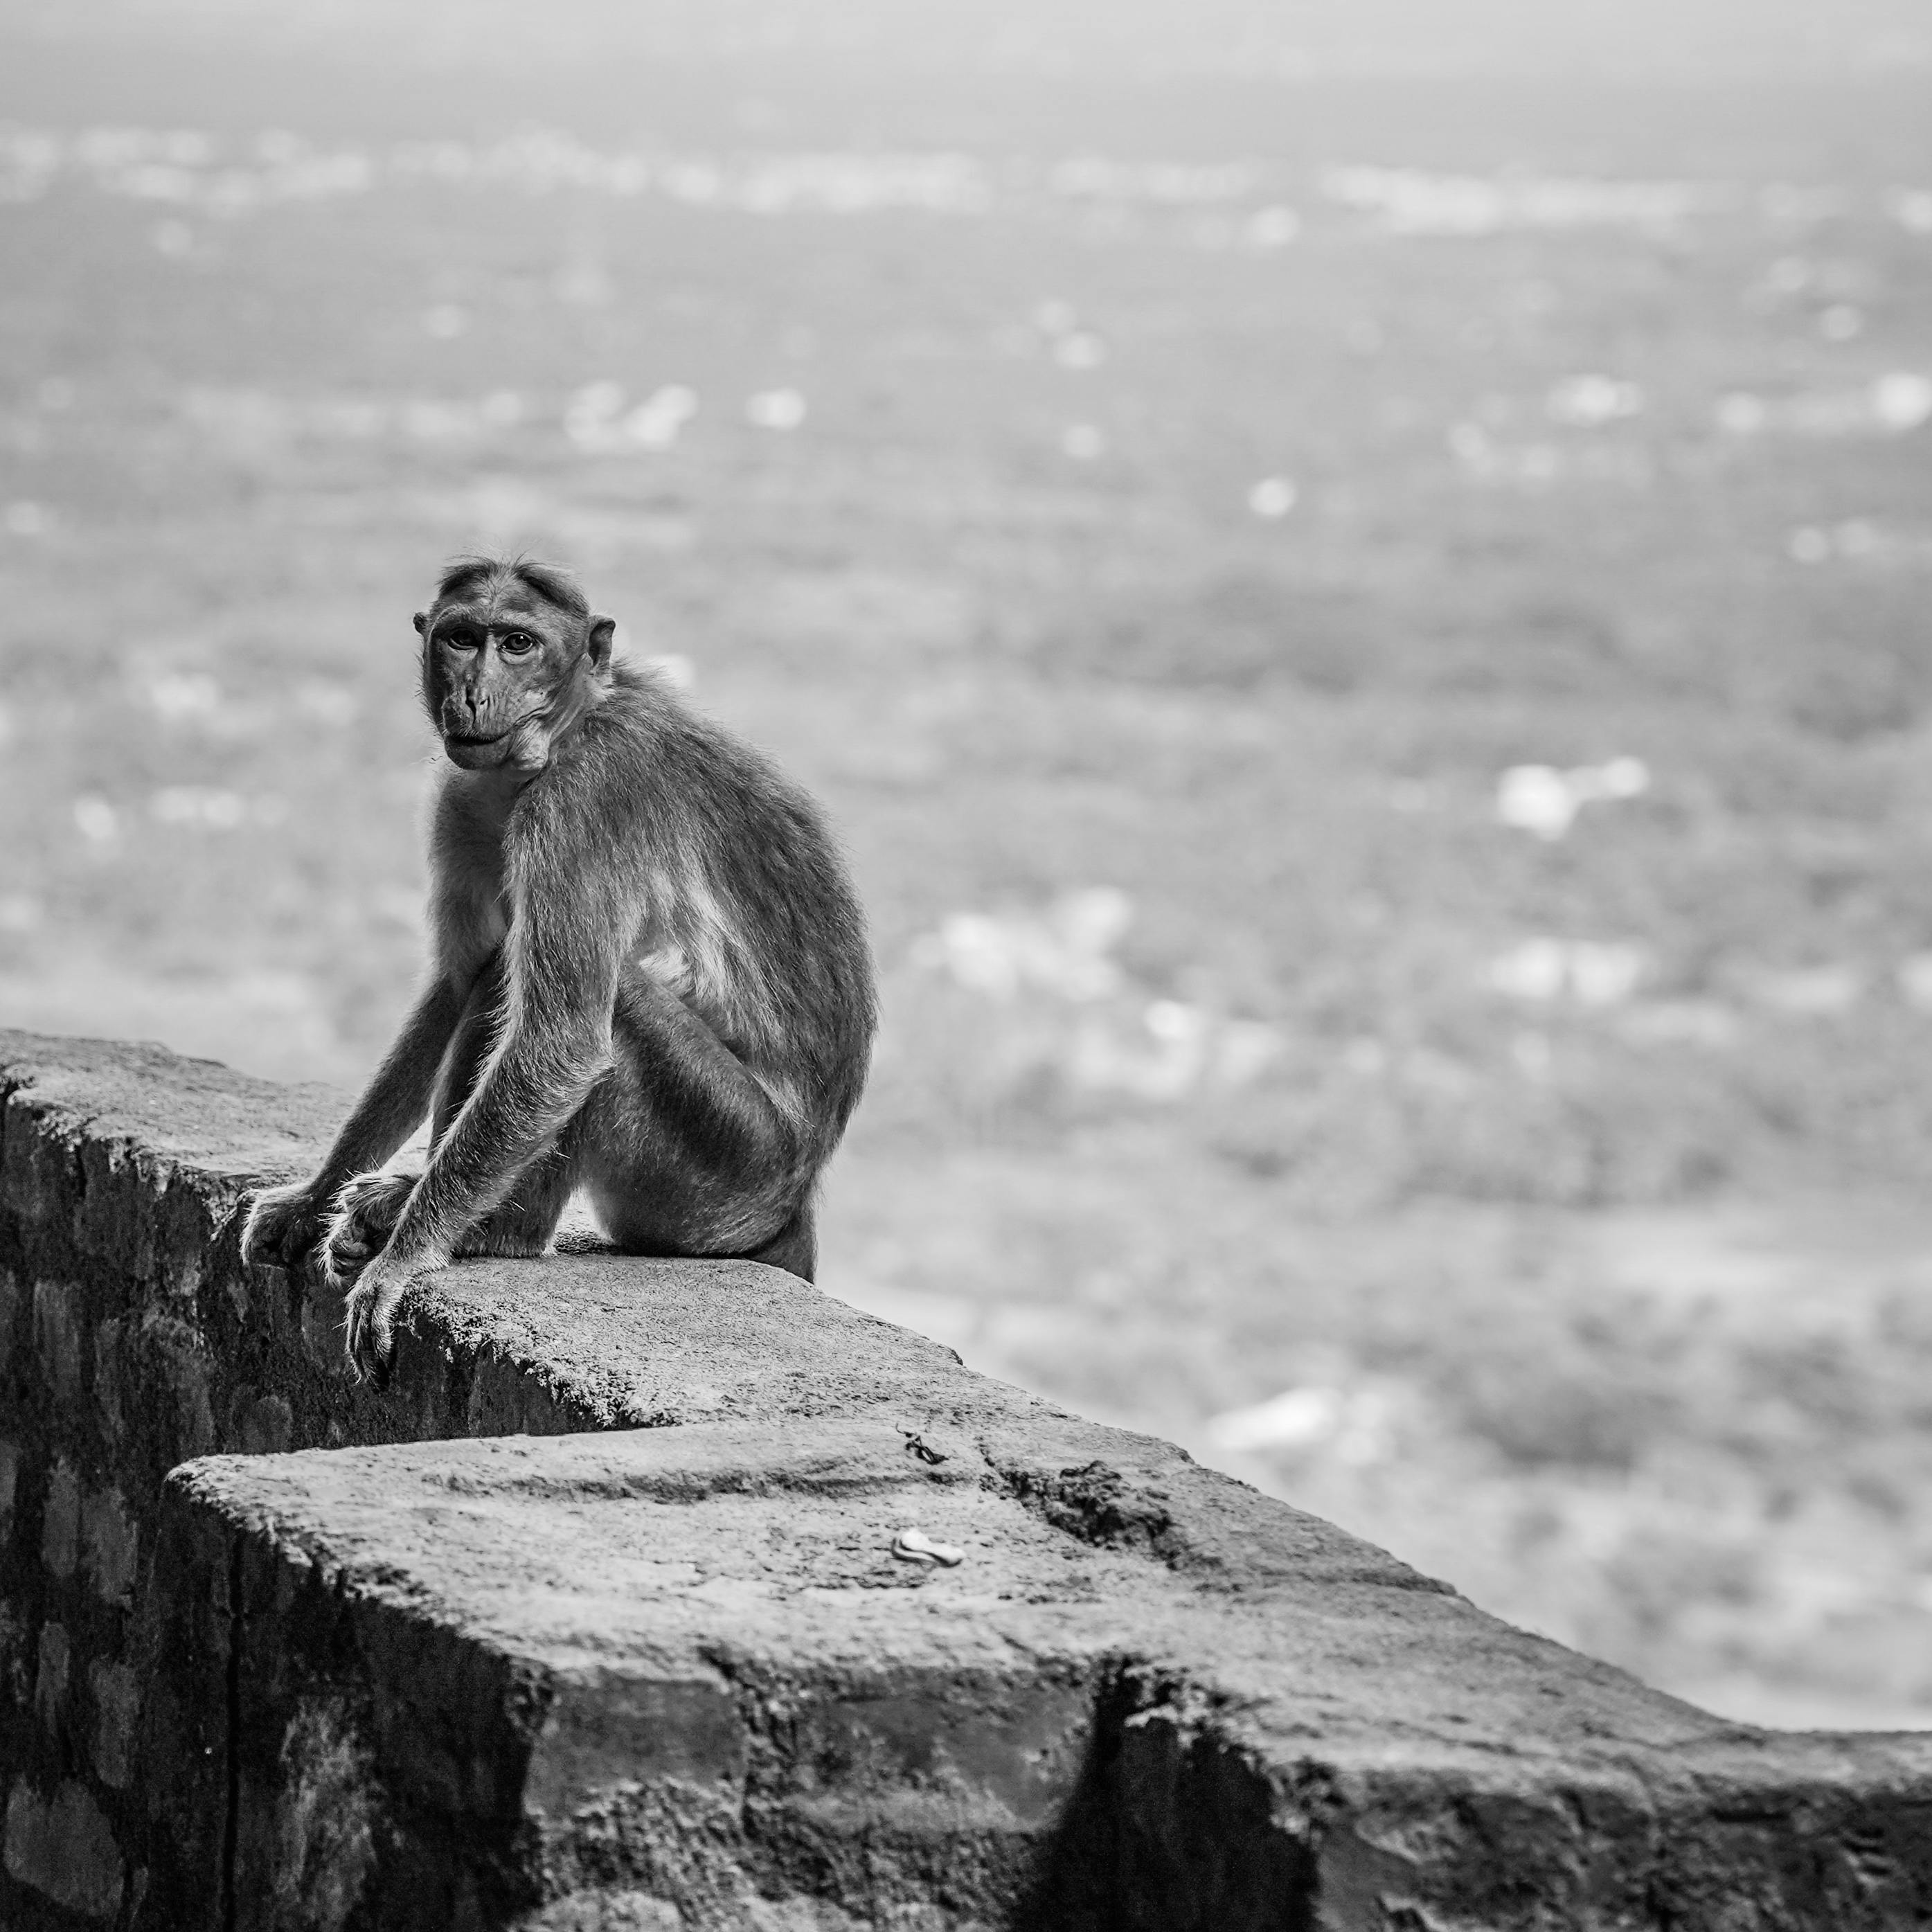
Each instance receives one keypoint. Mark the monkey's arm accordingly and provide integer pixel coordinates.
(285, 1221)
(561, 958)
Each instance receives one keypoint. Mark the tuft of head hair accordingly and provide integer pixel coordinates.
(555, 585)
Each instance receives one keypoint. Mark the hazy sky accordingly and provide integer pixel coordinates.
(1694, 37)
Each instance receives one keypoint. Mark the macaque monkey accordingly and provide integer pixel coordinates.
(649, 977)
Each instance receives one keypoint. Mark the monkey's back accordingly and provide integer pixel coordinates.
(748, 912)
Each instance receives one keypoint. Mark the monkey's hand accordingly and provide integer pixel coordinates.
(370, 1326)
(283, 1223)
(367, 1210)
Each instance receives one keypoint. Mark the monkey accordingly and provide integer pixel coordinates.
(649, 977)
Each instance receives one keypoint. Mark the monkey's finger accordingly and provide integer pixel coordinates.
(355, 1333)
(369, 1332)
(343, 1262)
(388, 1299)
(261, 1239)
(382, 1348)
(348, 1250)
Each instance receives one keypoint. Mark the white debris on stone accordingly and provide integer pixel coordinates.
(914, 1545)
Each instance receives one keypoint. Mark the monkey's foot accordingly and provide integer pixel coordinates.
(366, 1210)
(512, 1243)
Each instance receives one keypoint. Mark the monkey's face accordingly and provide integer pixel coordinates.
(505, 676)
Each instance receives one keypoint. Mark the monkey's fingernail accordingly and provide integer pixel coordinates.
(914, 1545)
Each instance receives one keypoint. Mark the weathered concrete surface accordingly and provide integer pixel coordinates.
(683, 1667)
(670, 1675)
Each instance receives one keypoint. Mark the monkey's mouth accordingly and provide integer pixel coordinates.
(472, 744)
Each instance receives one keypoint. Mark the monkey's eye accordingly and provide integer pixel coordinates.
(460, 640)
(518, 642)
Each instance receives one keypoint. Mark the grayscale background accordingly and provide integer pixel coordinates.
(1355, 577)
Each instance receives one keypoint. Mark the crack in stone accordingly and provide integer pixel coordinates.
(232, 1823)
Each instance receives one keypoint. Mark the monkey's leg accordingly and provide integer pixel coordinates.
(681, 1151)
(794, 1247)
(470, 1041)
(523, 1222)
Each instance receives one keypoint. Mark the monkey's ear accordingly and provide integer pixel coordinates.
(420, 620)
(603, 631)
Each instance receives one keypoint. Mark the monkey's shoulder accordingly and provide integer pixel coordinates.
(646, 743)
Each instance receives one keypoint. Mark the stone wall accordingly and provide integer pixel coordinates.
(593, 1620)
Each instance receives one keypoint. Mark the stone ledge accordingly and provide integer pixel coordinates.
(681, 1672)
(591, 1620)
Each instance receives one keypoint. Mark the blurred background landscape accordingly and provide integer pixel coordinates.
(1355, 579)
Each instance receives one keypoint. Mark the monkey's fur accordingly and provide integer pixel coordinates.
(649, 977)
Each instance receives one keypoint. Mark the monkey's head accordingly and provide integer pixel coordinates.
(512, 658)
